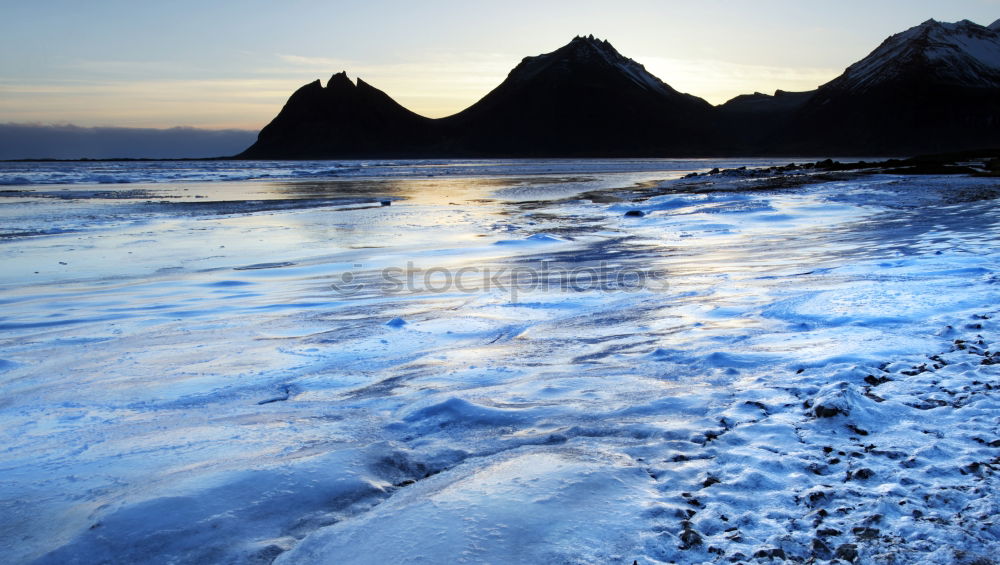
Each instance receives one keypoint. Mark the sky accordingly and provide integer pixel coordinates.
(224, 64)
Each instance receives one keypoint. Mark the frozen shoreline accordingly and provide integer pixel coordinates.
(162, 401)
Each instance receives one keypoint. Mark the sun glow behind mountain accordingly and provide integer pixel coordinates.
(221, 65)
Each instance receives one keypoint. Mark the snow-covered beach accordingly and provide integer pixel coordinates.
(490, 362)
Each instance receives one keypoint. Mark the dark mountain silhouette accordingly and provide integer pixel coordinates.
(342, 119)
(582, 99)
(755, 123)
(932, 88)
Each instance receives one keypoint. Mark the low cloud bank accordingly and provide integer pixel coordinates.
(33, 141)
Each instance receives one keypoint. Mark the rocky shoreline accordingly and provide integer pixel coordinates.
(869, 464)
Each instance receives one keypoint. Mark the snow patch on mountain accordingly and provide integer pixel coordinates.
(963, 53)
(629, 67)
(588, 49)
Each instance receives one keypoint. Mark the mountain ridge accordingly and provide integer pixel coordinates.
(959, 53)
(932, 87)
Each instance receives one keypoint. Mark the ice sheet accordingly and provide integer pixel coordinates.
(241, 382)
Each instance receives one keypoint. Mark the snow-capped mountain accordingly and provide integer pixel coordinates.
(934, 87)
(962, 53)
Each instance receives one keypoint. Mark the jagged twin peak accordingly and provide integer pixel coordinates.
(340, 119)
(962, 53)
(341, 84)
(341, 80)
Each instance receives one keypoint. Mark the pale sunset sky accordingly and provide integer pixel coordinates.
(227, 64)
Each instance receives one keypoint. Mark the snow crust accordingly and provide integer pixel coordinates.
(808, 373)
